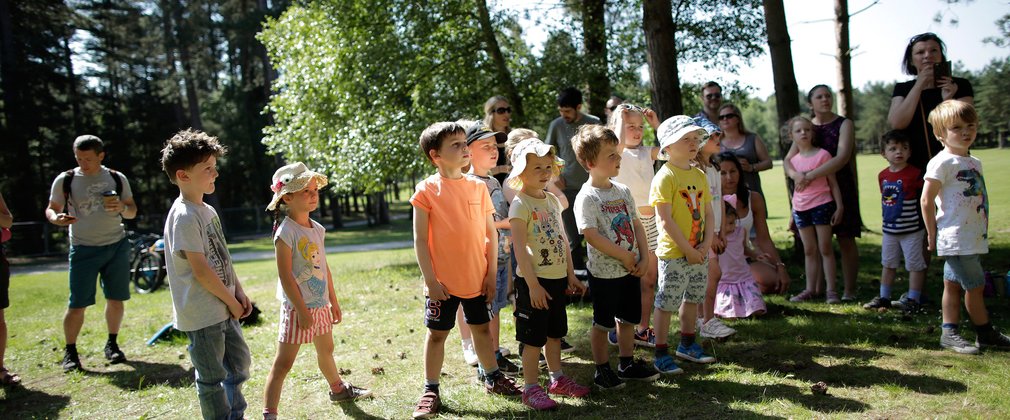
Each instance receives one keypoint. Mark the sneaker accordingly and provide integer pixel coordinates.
(848, 298)
(506, 366)
(269, 416)
(502, 385)
(666, 365)
(349, 393)
(612, 337)
(951, 340)
(715, 328)
(694, 353)
(537, 399)
(646, 338)
(567, 387)
(71, 362)
(995, 340)
(113, 354)
(802, 296)
(638, 371)
(427, 406)
(832, 298)
(565, 347)
(911, 307)
(878, 302)
(605, 378)
(504, 351)
(469, 354)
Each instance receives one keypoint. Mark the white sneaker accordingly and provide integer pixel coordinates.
(504, 351)
(714, 328)
(469, 354)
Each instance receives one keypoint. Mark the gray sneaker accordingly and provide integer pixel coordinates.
(349, 393)
(950, 339)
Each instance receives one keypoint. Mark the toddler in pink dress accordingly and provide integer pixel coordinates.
(738, 294)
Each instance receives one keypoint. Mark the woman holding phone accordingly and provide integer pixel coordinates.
(926, 59)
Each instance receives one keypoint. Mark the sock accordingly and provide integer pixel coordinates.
(489, 377)
(602, 366)
(337, 387)
(984, 330)
(914, 294)
(625, 362)
(662, 350)
(686, 339)
(530, 386)
(72, 348)
(557, 375)
(949, 326)
(431, 385)
(885, 291)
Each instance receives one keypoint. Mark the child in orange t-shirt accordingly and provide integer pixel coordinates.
(456, 245)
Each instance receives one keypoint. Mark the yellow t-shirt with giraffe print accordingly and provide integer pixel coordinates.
(687, 192)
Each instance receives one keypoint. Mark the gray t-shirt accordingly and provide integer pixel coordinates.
(94, 225)
(559, 134)
(501, 212)
(196, 228)
(308, 262)
(611, 212)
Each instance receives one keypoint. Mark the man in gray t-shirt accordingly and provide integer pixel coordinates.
(94, 207)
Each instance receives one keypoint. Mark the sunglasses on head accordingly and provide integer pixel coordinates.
(727, 116)
(503, 110)
(629, 107)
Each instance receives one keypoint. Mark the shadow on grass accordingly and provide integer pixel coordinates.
(20, 402)
(351, 410)
(144, 375)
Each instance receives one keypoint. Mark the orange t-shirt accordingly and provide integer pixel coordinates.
(457, 231)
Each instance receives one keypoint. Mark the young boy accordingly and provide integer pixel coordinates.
(207, 299)
(607, 216)
(900, 186)
(456, 245)
(958, 231)
(680, 195)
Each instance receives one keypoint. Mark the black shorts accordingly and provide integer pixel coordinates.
(619, 298)
(440, 315)
(534, 326)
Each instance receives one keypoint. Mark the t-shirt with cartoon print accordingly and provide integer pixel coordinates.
(899, 200)
(545, 242)
(94, 226)
(612, 212)
(308, 261)
(687, 192)
(962, 204)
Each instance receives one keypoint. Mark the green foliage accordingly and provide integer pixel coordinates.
(873, 102)
(991, 95)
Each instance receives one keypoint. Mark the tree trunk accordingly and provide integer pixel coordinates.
(594, 41)
(169, 41)
(846, 106)
(501, 67)
(189, 76)
(72, 94)
(661, 48)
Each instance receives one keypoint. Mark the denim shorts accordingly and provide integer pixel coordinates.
(501, 288)
(820, 215)
(965, 270)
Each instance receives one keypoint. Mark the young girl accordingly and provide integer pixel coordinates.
(544, 271)
(816, 207)
(738, 295)
(309, 305)
(637, 170)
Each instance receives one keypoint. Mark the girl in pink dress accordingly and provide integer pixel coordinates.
(738, 294)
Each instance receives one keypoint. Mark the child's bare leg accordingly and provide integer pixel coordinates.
(434, 354)
(495, 329)
(324, 357)
(531, 367)
(688, 317)
(975, 304)
(481, 334)
(811, 258)
(827, 253)
(951, 304)
(552, 352)
(661, 320)
(598, 342)
(285, 358)
(714, 273)
(3, 338)
(850, 264)
(625, 341)
(464, 329)
(917, 280)
(649, 291)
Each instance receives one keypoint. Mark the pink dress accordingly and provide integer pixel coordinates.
(737, 295)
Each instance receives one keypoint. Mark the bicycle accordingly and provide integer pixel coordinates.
(147, 261)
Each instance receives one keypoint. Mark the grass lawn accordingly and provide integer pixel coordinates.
(876, 365)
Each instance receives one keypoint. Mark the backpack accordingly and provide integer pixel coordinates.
(68, 177)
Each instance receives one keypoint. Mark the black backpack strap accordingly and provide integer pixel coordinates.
(68, 177)
(118, 178)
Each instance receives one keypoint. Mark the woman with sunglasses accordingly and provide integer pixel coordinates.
(498, 117)
(748, 147)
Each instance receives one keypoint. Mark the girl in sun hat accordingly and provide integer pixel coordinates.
(305, 286)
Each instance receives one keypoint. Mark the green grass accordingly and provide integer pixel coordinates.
(876, 365)
(396, 230)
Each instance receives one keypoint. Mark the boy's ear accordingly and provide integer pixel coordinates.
(432, 154)
(181, 175)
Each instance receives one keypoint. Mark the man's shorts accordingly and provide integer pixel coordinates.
(111, 262)
(893, 246)
(291, 332)
(440, 315)
(619, 298)
(965, 270)
(820, 215)
(534, 326)
(680, 282)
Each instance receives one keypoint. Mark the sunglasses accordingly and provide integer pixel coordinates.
(629, 107)
(727, 116)
(713, 96)
(503, 110)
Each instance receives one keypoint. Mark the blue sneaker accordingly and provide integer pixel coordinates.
(694, 354)
(612, 337)
(667, 366)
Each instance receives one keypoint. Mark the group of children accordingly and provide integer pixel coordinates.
(653, 249)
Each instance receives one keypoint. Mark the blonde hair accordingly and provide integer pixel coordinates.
(588, 141)
(306, 248)
(789, 128)
(949, 113)
(616, 123)
(739, 117)
(489, 110)
(516, 136)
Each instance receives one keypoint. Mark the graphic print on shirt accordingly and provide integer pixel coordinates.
(976, 188)
(552, 247)
(892, 197)
(310, 279)
(93, 201)
(621, 223)
(218, 256)
(692, 199)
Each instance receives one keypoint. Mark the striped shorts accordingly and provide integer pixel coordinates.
(292, 333)
(651, 231)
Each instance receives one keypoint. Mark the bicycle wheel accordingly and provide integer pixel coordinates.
(145, 273)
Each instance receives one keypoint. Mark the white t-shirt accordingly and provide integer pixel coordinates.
(545, 242)
(94, 226)
(962, 215)
(611, 212)
(715, 191)
(637, 172)
(308, 262)
(196, 228)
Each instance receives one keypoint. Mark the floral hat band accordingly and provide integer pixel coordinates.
(290, 179)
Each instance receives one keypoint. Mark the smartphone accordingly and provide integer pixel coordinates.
(940, 70)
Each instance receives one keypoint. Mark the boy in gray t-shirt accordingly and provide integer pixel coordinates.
(207, 299)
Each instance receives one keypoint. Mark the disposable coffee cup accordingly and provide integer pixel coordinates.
(110, 197)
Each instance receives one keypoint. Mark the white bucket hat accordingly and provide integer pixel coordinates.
(292, 178)
(535, 146)
(674, 129)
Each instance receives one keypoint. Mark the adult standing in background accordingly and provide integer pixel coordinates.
(559, 135)
(611, 105)
(836, 134)
(912, 101)
(748, 147)
(711, 101)
(498, 117)
(96, 200)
